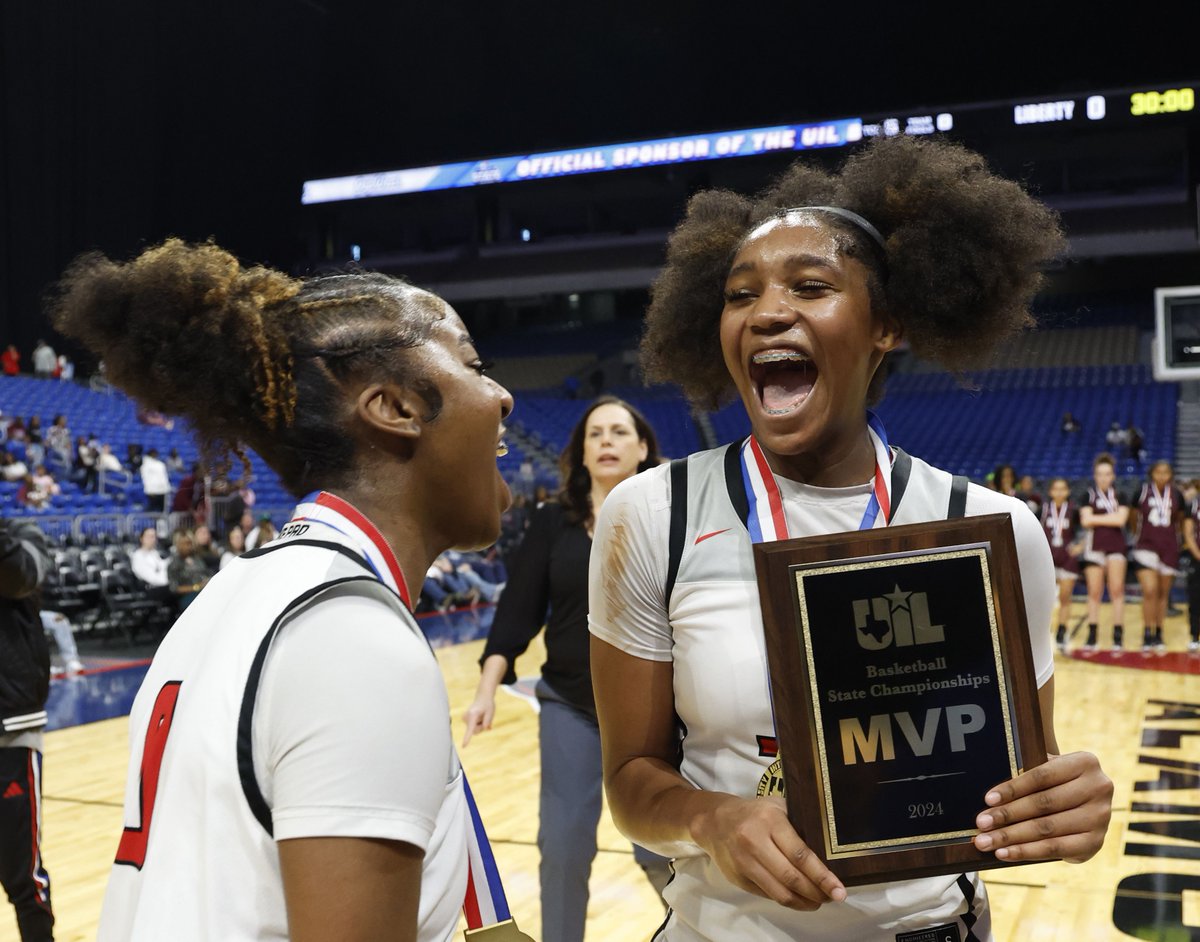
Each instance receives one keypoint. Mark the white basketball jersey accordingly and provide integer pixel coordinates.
(711, 630)
(198, 859)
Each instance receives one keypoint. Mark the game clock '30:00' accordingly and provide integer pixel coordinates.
(1168, 102)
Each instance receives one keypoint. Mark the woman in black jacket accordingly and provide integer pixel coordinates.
(548, 585)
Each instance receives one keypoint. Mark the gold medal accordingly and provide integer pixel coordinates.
(506, 931)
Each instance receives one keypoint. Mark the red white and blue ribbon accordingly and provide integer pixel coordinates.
(343, 517)
(485, 902)
(767, 521)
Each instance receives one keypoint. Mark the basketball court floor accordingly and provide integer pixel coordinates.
(1139, 713)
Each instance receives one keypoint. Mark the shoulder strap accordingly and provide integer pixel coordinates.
(901, 472)
(679, 509)
(958, 497)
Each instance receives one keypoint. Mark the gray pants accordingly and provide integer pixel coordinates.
(569, 815)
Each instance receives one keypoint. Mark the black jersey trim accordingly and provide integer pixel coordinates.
(245, 728)
(734, 483)
(957, 507)
(901, 472)
(969, 918)
(320, 544)
(670, 912)
(678, 535)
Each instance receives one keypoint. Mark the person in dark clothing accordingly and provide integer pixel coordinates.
(548, 585)
(24, 686)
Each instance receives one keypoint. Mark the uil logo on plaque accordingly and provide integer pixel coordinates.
(893, 696)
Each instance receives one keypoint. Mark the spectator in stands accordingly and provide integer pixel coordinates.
(1116, 437)
(107, 461)
(16, 430)
(174, 461)
(186, 572)
(58, 439)
(1070, 425)
(190, 493)
(133, 457)
(467, 568)
(1028, 492)
(66, 368)
(10, 361)
(44, 360)
(512, 524)
(146, 562)
(157, 419)
(548, 587)
(35, 448)
(445, 588)
(1004, 480)
(84, 468)
(246, 524)
(541, 495)
(58, 625)
(13, 468)
(44, 481)
(1135, 441)
(235, 545)
(28, 494)
(205, 550)
(155, 482)
(24, 688)
(262, 534)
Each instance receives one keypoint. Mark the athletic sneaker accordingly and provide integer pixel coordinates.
(1159, 644)
(1118, 637)
(1193, 646)
(1090, 644)
(1061, 637)
(1147, 640)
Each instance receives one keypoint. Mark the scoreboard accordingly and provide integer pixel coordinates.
(1123, 109)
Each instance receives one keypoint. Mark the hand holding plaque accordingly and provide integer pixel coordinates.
(903, 689)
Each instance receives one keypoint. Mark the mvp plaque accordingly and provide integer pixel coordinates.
(903, 688)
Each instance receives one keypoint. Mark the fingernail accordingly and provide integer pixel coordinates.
(984, 821)
(993, 798)
(983, 841)
(1002, 852)
(838, 895)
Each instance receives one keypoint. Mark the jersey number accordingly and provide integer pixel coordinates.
(132, 849)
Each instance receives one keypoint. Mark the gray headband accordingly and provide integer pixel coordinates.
(846, 214)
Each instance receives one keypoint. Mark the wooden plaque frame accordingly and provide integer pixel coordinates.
(789, 573)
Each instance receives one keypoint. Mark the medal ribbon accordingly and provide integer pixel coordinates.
(766, 521)
(1161, 502)
(1058, 521)
(1107, 501)
(485, 901)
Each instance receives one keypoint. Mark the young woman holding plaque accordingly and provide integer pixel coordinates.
(791, 301)
(1104, 518)
(547, 586)
(292, 773)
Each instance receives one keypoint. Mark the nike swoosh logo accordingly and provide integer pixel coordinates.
(708, 536)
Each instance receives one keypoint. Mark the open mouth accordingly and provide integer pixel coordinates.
(784, 379)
